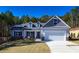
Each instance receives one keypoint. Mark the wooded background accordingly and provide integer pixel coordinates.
(7, 20)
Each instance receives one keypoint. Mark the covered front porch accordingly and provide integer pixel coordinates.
(33, 34)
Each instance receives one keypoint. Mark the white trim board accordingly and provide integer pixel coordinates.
(59, 19)
(63, 21)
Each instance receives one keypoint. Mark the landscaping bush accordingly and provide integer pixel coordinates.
(73, 39)
(29, 41)
(7, 45)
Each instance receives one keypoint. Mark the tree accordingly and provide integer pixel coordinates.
(17, 20)
(6, 20)
(9, 18)
(25, 19)
(74, 17)
(67, 18)
(33, 19)
(3, 26)
(45, 18)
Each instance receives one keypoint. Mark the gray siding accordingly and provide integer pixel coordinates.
(52, 24)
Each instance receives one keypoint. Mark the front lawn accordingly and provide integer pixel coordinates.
(24, 46)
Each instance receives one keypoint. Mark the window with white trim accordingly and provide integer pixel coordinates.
(55, 21)
(18, 34)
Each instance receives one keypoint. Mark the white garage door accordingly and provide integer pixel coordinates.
(55, 35)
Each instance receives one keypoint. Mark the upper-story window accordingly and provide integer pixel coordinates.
(55, 21)
(38, 24)
(30, 24)
(33, 25)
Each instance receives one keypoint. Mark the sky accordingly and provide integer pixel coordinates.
(37, 11)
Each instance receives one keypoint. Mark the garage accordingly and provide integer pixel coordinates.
(55, 35)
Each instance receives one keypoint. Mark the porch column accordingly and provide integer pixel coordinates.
(35, 34)
(24, 34)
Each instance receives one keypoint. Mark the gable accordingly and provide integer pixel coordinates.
(29, 25)
(55, 22)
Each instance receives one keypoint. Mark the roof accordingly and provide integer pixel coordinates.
(17, 28)
(60, 23)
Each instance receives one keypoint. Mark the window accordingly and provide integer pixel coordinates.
(55, 21)
(40, 25)
(33, 25)
(30, 24)
(18, 34)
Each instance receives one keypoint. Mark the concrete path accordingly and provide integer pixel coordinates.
(63, 46)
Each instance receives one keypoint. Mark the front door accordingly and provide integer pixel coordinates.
(38, 36)
(32, 34)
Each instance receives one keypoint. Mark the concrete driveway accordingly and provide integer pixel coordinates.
(63, 46)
